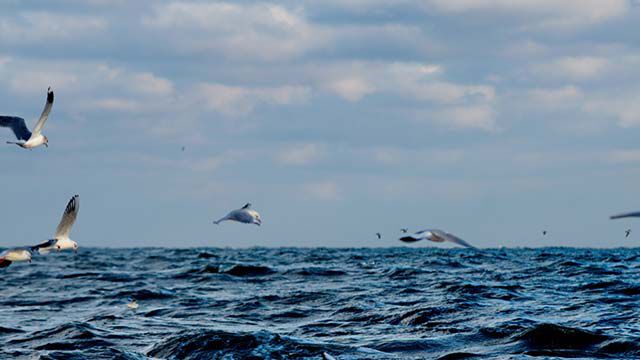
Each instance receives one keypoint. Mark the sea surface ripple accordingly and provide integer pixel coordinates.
(290, 303)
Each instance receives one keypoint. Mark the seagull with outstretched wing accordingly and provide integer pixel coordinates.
(14, 255)
(61, 240)
(244, 215)
(26, 138)
(435, 235)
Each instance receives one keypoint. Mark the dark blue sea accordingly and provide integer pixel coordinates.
(290, 303)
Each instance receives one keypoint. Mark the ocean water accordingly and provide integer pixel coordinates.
(396, 303)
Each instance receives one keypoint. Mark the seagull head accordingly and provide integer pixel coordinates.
(75, 247)
(257, 220)
(46, 141)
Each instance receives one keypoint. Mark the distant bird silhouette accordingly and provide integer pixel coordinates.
(435, 235)
(379, 235)
(627, 232)
(183, 148)
(244, 215)
(27, 139)
(625, 215)
(404, 230)
(544, 232)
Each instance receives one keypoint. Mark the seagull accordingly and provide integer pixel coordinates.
(404, 230)
(435, 236)
(14, 255)
(61, 239)
(544, 232)
(27, 139)
(379, 235)
(625, 215)
(133, 304)
(627, 233)
(244, 215)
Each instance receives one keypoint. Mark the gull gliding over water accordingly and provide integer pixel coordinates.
(61, 239)
(14, 255)
(244, 215)
(435, 235)
(27, 139)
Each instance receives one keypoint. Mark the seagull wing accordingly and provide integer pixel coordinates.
(625, 215)
(68, 218)
(420, 235)
(17, 125)
(43, 245)
(452, 238)
(45, 113)
(4, 263)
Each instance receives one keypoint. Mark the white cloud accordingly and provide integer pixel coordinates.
(264, 31)
(556, 97)
(238, 100)
(324, 190)
(624, 156)
(351, 88)
(33, 27)
(543, 13)
(574, 68)
(302, 154)
(480, 117)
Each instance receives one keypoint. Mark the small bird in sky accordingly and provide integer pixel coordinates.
(379, 235)
(544, 232)
(627, 233)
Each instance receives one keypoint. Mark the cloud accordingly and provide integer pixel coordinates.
(239, 100)
(573, 68)
(624, 156)
(556, 97)
(36, 27)
(258, 31)
(541, 14)
(324, 190)
(302, 154)
(351, 88)
(469, 117)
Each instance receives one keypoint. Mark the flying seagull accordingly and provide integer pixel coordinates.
(14, 255)
(61, 239)
(244, 215)
(27, 139)
(379, 235)
(625, 215)
(435, 236)
(627, 233)
(544, 232)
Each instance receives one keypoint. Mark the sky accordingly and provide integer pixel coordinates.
(336, 119)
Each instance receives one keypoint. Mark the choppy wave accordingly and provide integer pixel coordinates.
(397, 303)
